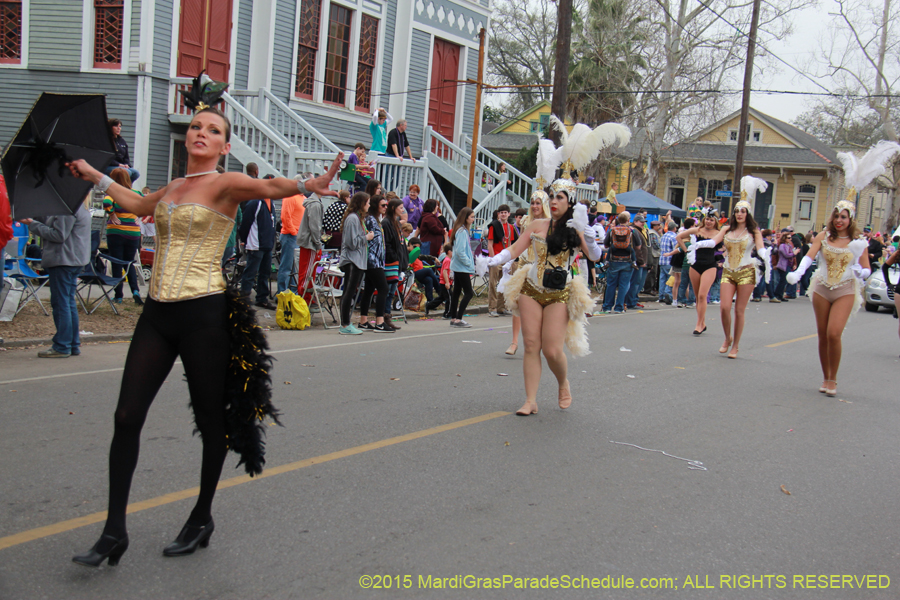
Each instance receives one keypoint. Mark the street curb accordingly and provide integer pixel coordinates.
(103, 337)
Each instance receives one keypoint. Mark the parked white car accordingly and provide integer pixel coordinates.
(878, 293)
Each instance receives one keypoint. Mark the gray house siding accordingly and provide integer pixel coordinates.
(344, 134)
(387, 60)
(471, 73)
(162, 39)
(242, 52)
(21, 88)
(451, 18)
(55, 35)
(284, 48)
(136, 23)
(419, 59)
(159, 146)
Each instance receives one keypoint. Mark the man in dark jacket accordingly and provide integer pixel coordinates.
(642, 257)
(257, 232)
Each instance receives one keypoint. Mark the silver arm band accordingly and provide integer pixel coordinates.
(104, 183)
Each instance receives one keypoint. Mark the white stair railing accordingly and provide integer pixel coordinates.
(261, 139)
(486, 207)
(280, 117)
(520, 184)
(433, 190)
(457, 158)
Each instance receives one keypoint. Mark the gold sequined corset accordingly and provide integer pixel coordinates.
(836, 269)
(541, 260)
(190, 240)
(737, 252)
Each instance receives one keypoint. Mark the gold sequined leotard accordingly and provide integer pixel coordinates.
(834, 265)
(190, 240)
(533, 285)
(739, 267)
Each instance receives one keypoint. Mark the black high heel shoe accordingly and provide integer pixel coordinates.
(190, 537)
(95, 558)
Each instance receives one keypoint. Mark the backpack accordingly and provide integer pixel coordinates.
(621, 237)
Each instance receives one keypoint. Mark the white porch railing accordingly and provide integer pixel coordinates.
(520, 185)
(255, 139)
(282, 119)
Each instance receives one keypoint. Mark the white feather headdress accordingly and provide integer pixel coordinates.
(858, 173)
(749, 187)
(548, 159)
(582, 145)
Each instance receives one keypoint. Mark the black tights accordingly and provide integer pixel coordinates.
(462, 284)
(196, 331)
(374, 281)
(352, 276)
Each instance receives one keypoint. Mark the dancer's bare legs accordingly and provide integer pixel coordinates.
(831, 319)
(532, 323)
(553, 337)
(676, 284)
(701, 284)
(740, 310)
(516, 327)
(727, 289)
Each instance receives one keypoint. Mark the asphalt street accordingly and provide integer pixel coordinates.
(401, 466)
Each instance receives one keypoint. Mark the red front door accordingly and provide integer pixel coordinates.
(442, 101)
(204, 40)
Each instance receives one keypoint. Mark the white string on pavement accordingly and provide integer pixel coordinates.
(694, 465)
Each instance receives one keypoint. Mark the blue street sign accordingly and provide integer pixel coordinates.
(721, 194)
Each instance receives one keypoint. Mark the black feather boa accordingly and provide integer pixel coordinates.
(248, 385)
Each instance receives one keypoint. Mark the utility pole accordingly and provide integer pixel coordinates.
(476, 128)
(745, 101)
(561, 71)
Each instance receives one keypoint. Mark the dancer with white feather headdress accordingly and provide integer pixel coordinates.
(741, 271)
(550, 301)
(843, 261)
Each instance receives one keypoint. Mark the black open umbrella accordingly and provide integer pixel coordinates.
(59, 128)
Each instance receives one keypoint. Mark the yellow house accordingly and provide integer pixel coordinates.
(804, 174)
(532, 120)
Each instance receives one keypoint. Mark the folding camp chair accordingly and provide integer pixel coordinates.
(327, 286)
(94, 274)
(20, 271)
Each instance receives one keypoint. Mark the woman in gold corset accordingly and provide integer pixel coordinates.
(185, 316)
(740, 272)
(843, 264)
(550, 301)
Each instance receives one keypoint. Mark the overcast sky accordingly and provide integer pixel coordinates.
(810, 26)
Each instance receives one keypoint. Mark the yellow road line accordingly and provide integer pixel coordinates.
(98, 517)
(799, 339)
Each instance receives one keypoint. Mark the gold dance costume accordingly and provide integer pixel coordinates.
(527, 280)
(191, 240)
(834, 276)
(740, 267)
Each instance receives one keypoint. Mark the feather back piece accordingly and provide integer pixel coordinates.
(204, 92)
(248, 385)
(583, 144)
(858, 173)
(749, 187)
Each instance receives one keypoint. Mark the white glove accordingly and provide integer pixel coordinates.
(765, 254)
(481, 265)
(579, 221)
(506, 268)
(861, 273)
(794, 276)
(500, 259)
(594, 250)
(704, 244)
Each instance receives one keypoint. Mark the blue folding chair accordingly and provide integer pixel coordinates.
(18, 269)
(94, 274)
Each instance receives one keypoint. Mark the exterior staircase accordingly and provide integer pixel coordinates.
(267, 132)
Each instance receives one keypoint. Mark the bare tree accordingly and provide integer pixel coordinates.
(699, 50)
(862, 52)
(522, 50)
